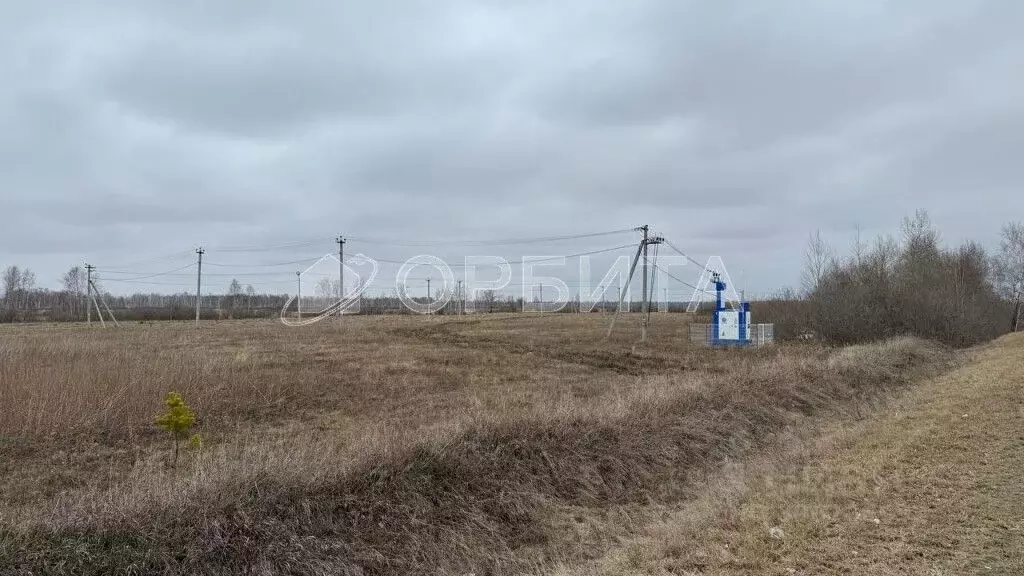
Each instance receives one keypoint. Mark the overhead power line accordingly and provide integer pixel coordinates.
(154, 260)
(270, 265)
(495, 242)
(683, 282)
(543, 259)
(270, 247)
(154, 275)
(178, 272)
(685, 255)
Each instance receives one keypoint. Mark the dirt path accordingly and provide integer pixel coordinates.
(933, 484)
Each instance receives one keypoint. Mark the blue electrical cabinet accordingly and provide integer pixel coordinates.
(729, 326)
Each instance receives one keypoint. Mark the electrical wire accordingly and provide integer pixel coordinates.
(154, 260)
(140, 277)
(677, 279)
(167, 273)
(270, 247)
(684, 255)
(304, 261)
(514, 262)
(178, 284)
(496, 242)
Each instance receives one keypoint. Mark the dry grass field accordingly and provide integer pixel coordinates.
(930, 486)
(391, 445)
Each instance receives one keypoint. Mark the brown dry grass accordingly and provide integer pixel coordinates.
(931, 486)
(384, 445)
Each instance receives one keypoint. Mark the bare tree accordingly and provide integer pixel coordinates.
(818, 257)
(11, 282)
(1008, 267)
(74, 281)
(859, 247)
(18, 285)
(912, 287)
(28, 281)
(920, 243)
(234, 293)
(250, 295)
(328, 288)
(488, 298)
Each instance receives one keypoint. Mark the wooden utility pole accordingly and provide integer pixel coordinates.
(341, 267)
(199, 282)
(643, 307)
(105, 305)
(96, 304)
(298, 296)
(622, 294)
(88, 292)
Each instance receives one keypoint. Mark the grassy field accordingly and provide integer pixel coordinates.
(930, 486)
(390, 445)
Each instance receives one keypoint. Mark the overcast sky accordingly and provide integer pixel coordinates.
(133, 131)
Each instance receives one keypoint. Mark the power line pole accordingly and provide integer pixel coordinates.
(624, 288)
(645, 228)
(649, 293)
(298, 297)
(99, 313)
(461, 299)
(429, 299)
(105, 305)
(199, 282)
(341, 267)
(88, 292)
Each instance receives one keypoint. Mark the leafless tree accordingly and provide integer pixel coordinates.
(18, 287)
(1008, 267)
(11, 282)
(250, 295)
(74, 281)
(915, 286)
(859, 247)
(488, 298)
(328, 288)
(28, 281)
(818, 257)
(234, 294)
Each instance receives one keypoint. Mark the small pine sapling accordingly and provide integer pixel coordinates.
(178, 420)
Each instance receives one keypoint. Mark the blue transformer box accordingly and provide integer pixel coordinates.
(729, 327)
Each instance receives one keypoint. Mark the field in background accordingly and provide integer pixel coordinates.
(387, 445)
(108, 382)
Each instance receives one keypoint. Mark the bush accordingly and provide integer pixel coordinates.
(911, 287)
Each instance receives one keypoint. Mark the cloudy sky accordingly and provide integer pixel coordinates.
(132, 132)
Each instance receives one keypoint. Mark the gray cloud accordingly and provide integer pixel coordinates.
(132, 130)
